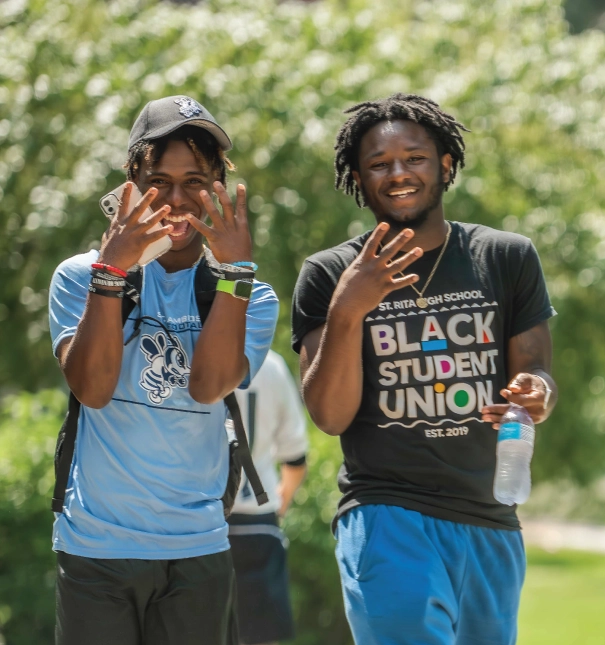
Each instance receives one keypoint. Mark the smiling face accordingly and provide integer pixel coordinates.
(179, 176)
(401, 174)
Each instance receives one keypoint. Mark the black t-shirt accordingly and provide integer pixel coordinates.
(417, 440)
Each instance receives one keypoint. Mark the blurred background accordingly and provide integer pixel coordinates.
(526, 76)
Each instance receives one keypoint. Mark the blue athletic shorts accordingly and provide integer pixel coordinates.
(411, 579)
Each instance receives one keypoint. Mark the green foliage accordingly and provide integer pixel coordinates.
(315, 585)
(73, 76)
(28, 428)
(75, 73)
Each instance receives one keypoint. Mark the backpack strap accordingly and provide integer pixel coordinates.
(245, 456)
(64, 452)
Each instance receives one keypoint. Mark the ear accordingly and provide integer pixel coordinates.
(446, 167)
(357, 178)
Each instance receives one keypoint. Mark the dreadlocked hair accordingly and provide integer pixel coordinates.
(209, 155)
(441, 127)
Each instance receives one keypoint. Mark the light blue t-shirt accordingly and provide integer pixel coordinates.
(150, 468)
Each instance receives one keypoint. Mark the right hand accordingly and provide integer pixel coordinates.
(127, 237)
(374, 274)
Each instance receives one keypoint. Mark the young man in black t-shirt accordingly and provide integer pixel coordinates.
(414, 371)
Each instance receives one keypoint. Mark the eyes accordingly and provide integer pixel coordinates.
(416, 159)
(192, 181)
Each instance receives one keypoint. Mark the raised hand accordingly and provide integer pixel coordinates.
(524, 389)
(127, 237)
(229, 236)
(374, 273)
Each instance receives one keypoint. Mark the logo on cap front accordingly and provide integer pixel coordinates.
(189, 107)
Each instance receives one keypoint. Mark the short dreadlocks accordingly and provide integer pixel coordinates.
(441, 127)
(209, 155)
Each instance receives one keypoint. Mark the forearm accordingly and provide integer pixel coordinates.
(92, 358)
(332, 384)
(291, 479)
(219, 364)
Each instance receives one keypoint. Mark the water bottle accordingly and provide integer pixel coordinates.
(512, 481)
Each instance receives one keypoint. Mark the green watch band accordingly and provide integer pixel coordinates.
(241, 289)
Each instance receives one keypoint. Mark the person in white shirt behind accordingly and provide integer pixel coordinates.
(275, 422)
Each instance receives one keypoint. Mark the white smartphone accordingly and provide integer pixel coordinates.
(110, 204)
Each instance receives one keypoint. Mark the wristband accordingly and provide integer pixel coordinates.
(108, 267)
(108, 293)
(232, 272)
(547, 390)
(241, 289)
(249, 265)
(100, 282)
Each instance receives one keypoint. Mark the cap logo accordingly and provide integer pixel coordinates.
(189, 107)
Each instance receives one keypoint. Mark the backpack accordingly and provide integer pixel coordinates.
(239, 450)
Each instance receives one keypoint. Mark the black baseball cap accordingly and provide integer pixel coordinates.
(161, 117)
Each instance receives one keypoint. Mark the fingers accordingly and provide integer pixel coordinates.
(225, 201)
(241, 208)
(141, 206)
(124, 201)
(198, 225)
(405, 281)
(522, 382)
(371, 246)
(402, 263)
(212, 210)
(391, 249)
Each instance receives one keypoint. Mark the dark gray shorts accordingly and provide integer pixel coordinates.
(146, 602)
(259, 558)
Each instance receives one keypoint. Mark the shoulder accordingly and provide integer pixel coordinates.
(339, 256)
(332, 262)
(481, 235)
(484, 241)
(76, 267)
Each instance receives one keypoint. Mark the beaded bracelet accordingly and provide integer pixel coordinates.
(105, 292)
(251, 265)
(108, 267)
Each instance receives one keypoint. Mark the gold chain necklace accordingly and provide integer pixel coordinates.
(421, 301)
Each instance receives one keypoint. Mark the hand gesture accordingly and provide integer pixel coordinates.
(524, 389)
(229, 236)
(127, 237)
(374, 273)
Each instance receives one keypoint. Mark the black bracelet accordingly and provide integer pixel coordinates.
(105, 292)
(99, 282)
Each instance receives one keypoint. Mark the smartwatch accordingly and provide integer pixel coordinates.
(241, 289)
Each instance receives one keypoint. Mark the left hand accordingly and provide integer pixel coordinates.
(229, 236)
(524, 389)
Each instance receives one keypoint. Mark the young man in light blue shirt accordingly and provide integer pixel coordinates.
(142, 546)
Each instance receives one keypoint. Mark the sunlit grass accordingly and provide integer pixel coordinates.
(563, 601)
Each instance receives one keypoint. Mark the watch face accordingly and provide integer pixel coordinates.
(242, 289)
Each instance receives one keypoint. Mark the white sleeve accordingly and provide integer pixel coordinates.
(291, 441)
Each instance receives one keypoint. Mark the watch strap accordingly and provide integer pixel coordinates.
(241, 289)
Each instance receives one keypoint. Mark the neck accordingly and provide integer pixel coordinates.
(173, 261)
(428, 236)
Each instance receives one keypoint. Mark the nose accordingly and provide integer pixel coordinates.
(399, 170)
(176, 196)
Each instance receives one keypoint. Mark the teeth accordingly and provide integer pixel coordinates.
(175, 218)
(399, 193)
